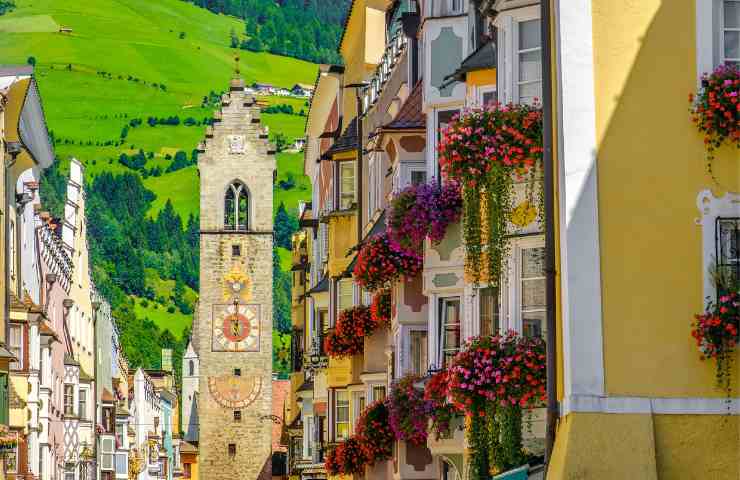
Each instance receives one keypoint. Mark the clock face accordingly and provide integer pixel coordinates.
(234, 392)
(236, 328)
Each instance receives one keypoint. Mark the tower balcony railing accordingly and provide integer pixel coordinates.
(393, 50)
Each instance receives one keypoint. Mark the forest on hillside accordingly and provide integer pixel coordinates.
(305, 29)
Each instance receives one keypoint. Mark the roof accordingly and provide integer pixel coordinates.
(322, 286)
(187, 447)
(410, 115)
(481, 59)
(347, 140)
(306, 386)
(45, 329)
(280, 390)
(107, 396)
(346, 24)
(69, 360)
(84, 376)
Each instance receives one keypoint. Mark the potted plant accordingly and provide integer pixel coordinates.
(380, 263)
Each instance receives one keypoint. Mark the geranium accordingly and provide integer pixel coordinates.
(483, 150)
(347, 458)
(492, 379)
(375, 434)
(381, 308)
(347, 338)
(508, 370)
(408, 411)
(716, 107)
(424, 210)
(441, 409)
(379, 263)
(716, 333)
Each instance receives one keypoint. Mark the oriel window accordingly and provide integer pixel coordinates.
(346, 185)
(449, 325)
(488, 311)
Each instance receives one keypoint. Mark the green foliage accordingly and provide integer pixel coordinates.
(305, 29)
(281, 295)
(285, 226)
(6, 6)
(281, 343)
(31, 61)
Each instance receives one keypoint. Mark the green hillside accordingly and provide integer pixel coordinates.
(127, 61)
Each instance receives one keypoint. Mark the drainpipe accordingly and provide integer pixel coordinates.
(549, 193)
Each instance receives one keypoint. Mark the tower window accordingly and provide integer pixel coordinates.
(237, 415)
(232, 450)
(236, 207)
(237, 372)
(191, 368)
(236, 250)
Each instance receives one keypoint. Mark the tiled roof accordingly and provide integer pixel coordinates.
(410, 115)
(347, 141)
(187, 447)
(481, 59)
(107, 396)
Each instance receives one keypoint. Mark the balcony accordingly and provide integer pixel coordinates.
(382, 74)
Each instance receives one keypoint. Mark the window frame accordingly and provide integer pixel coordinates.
(442, 323)
(481, 93)
(722, 29)
(437, 136)
(424, 359)
(340, 192)
(82, 402)
(507, 25)
(511, 308)
(496, 312)
(68, 400)
(518, 82)
(237, 188)
(337, 422)
(19, 364)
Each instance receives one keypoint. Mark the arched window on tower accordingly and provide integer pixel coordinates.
(236, 207)
(191, 368)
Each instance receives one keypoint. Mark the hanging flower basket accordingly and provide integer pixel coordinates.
(441, 409)
(380, 310)
(421, 211)
(492, 379)
(408, 411)
(715, 110)
(347, 458)
(716, 334)
(347, 338)
(379, 263)
(375, 434)
(484, 150)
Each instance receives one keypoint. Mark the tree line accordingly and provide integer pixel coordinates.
(305, 29)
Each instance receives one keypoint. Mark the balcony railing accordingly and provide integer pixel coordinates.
(393, 51)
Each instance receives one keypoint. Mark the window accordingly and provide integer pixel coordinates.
(11, 258)
(69, 475)
(341, 415)
(345, 294)
(236, 207)
(121, 464)
(69, 400)
(16, 346)
(236, 250)
(82, 404)
(486, 96)
(10, 457)
(449, 325)
(187, 470)
(232, 450)
(444, 118)
(532, 277)
(191, 368)
(107, 458)
(108, 420)
(374, 183)
(488, 312)
(529, 58)
(237, 372)
(346, 185)
(237, 416)
(418, 176)
(309, 436)
(418, 350)
(730, 32)
(120, 429)
(358, 405)
(727, 252)
(378, 393)
(323, 328)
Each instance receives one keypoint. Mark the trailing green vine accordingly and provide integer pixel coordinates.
(485, 150)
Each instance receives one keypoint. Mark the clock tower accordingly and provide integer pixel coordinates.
(233, 328)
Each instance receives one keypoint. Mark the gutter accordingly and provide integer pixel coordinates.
(549, 193)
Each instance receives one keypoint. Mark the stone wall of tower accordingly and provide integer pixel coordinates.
(221, 162)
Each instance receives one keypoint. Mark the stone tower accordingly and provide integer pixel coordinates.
(233, 334)
(190, 367)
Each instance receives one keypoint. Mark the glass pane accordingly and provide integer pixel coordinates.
(533, 262)
(529, 34)
(732, 14)
(489, 320)
(530, 66)
(418, 352)
(529, 92)
(533, 323)
(489, 97)
(452, 337)
(533, 293)
(243, 209)
(418, 177)
(732, 45)
(343, 430)
(378, 393)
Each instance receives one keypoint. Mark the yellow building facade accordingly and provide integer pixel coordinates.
(638, 223)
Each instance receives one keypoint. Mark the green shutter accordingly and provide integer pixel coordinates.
(4, 410)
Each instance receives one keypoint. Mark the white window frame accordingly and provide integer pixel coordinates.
(423, 366)
(83, 394)
(308, 434)
(371, 394)
(345, 294)
(357, 405)
(435, 136)
(440, 323)
(481, 92)
(335, 410)
(723, 28)
(342, 194)
(507, 24)
(511, 314)
(107, 455)
(15, 327)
